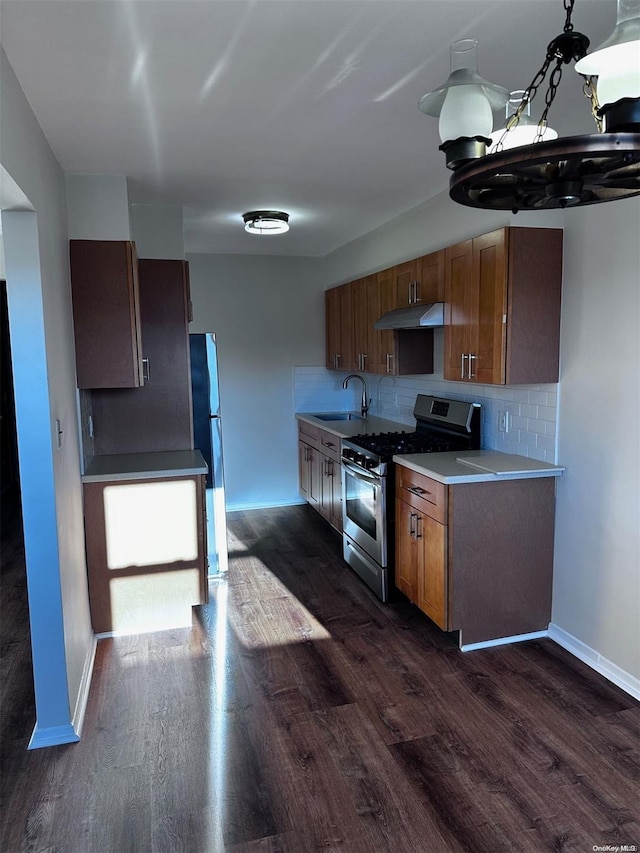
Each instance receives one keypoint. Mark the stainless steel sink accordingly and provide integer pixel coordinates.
(338, 416)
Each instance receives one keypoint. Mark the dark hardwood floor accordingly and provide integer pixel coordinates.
(300, 714)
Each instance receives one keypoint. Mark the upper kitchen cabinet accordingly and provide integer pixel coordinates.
(106, 311)
(158, 416)
(366, 310)
(400, 351)
(339, 327)
(430, 277)
(420, 281)
(502, 307)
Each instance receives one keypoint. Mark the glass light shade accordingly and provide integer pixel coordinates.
(465, 101)
(616, 63)
(465, 112)
(526, 132)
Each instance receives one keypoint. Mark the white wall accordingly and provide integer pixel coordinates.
(98, 204)
(39, 296)
(597, 560)
(268, 315)
(158, 230)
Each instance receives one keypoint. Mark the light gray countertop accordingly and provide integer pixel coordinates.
(476, 466)
(145, 466)
(357, 426)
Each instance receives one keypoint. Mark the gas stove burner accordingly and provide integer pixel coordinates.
(389, 443)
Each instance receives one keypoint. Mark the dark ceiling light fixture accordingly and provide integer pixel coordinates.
(266, 222)
(550, 173)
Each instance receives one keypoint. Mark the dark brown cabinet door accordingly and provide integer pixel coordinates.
(458, 308)
(430, 277)
(433, 594)
(409, 552)
(405, 283)
(339, 327)
(366, 310)
(159, 415)
(104, 287)
(488, 327)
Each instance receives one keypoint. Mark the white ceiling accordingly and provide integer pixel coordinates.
(307, 106)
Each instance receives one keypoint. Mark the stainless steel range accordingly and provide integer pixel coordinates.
(368, 481)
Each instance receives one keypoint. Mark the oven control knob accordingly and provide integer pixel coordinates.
(370, 463)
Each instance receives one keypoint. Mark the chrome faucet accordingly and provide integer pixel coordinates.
(364, 406)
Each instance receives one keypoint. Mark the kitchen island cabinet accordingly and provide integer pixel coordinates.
(106, 313)
(476, 555)
(502, 307)
(145, 530)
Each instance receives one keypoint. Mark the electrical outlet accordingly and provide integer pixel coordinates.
(503, 421)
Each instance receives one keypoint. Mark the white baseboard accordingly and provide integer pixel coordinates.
(624, 680)
(503, 641)
(266, 505)
(53, 736)
(69, 732)
(77, 721)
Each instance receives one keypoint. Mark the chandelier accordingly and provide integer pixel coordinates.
(525, 166)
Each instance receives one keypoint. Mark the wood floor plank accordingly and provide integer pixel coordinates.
(299, 714)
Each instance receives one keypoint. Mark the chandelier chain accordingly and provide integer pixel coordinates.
(568, 7)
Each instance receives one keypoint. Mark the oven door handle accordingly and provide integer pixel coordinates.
(360, 474)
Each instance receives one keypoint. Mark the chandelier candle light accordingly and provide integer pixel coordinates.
(528, 167)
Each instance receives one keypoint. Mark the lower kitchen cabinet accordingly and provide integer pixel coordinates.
(319, 467)
(146, 552)
(476, 557)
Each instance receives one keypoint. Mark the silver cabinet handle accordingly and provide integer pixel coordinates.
(363, 356)
(388, 358)
(411, 517)
(416, 291)
(471, 358)
(146, 370)
(463, 355)
(418, 521)
(416, 490)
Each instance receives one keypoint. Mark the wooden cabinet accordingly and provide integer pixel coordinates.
(430, 277)
(158, 416)
(419, 281)
(477, 557)
(106, 312)
(421, 569)
(146, 552)
(366, 310)
(319, 467)
(502, 307)
(339, 327)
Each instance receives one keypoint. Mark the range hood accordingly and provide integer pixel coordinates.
(414, 317)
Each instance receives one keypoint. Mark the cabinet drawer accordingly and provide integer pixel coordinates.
(422, 493)
(329, 444)
(309, 433)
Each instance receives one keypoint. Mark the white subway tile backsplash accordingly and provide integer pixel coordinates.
(533, 409)
(547, 413)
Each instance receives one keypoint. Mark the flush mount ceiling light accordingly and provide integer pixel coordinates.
(547, 172)
(266, 222)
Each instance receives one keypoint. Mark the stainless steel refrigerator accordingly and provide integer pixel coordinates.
(207, 435)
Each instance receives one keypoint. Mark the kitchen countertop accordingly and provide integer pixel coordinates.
(145, 466)
(476, 466)
(358, 426)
